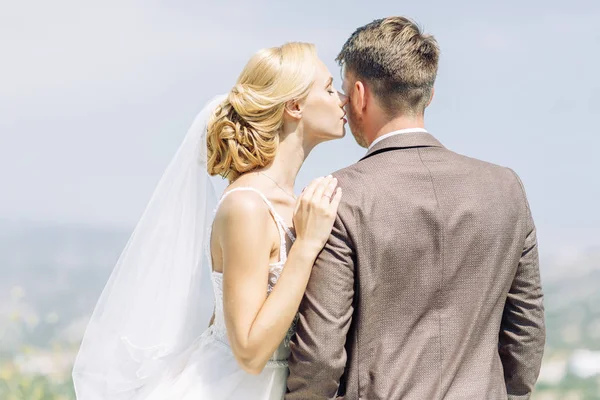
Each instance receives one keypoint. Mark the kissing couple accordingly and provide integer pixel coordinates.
(411, 274)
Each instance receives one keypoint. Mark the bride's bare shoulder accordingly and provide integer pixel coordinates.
(242, 203)
(242, 212)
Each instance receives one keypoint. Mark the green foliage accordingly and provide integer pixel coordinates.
(15, 385)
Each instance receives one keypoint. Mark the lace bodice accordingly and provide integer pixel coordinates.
(218, 328)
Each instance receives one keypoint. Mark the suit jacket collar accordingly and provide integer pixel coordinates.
(403, 141)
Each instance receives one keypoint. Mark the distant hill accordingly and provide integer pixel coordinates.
(52, 277)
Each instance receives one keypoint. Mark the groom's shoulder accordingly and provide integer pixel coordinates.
(486, 166)
(363, 175)
(352, 172)
(365, 168)
(353, 179)
(505, 178)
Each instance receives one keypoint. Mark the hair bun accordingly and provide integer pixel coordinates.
(235, 146)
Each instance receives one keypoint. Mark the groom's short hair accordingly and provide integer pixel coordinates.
(397, 60)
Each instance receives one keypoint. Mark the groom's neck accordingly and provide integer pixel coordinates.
(384, 125)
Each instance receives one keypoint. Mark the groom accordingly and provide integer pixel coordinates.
(429, 285)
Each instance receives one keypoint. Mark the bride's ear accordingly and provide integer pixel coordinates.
(293, 108)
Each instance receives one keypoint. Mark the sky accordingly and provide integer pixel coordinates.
(95, 97)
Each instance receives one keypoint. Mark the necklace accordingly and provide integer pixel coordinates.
(275, 182)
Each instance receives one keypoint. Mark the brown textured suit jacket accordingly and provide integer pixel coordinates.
(429, 285)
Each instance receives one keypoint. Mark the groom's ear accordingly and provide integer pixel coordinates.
(294, 109)
(431, 97)
(359, 96)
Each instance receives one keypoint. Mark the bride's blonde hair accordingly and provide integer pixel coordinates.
(243, 131)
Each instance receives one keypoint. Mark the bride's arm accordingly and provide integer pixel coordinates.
(257, 324)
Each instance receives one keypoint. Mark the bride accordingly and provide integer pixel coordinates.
(147, 338)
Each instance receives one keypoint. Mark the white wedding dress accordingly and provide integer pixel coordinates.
(208, 370)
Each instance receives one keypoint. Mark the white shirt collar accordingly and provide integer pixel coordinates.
(394, 133)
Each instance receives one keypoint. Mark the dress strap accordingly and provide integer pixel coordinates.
(281, 226)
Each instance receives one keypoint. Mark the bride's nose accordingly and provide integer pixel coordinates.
(343, 99)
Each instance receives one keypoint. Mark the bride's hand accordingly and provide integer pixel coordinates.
(315, 212)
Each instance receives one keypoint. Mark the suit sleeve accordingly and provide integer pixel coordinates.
(318, 357)
(522, 331)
